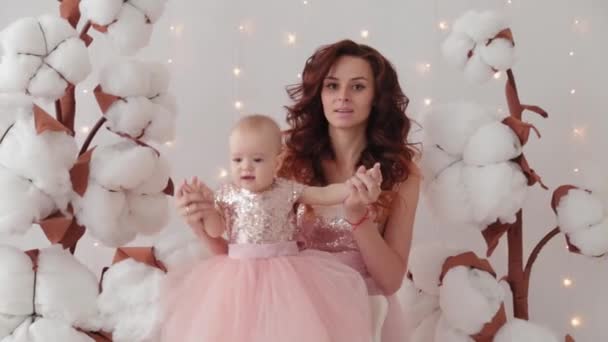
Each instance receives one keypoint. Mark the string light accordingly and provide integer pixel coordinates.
(571, 53)
(305, 2)
(223, 173)
(578, 132)
(427, 101)
(236, 71)
(96, 244)
(85, 129)
(364, 33)
(572, 91)
(242, 28)
(576, 21)
(169, 61)
(238, 105)
(443, 25)
(291, 38)
(567, 282)
(299, 76)
(576, 170)
(84, 91)
(509, 2)
(172, 28)
(576, 322)
(497, 75)
(169, 143)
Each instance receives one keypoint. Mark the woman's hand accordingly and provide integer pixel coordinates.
(365, 188)
(193, 201)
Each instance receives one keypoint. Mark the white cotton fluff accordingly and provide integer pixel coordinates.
(519, 330)
(16, 288)
(476, 290)
(499, 54)
(41, 55)
(148, 214)
(44, 330)
(425, 332)
(446, 333)
(451, 126)
(157, 178)
(477, 70)
(66, 290)
(435, 160)
(125, 78)
(44, 158)
(123, 166)
(456, 48)
(131, 116)
(496, 191)
(162, 127)
(449, 198)
(178, 247)
(153, 9)
(104, 213)
(579, 210)
(425, 264)
(480, 26)
(21, 204)
(417, 304)
(131, 31)
(592, 241)
(102, 12)
(493, 143)
(130, 301)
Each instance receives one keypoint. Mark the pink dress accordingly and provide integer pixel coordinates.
(265, 289)
(324, 228)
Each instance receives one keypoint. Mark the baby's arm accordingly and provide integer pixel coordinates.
(213, 221)
(326, 195)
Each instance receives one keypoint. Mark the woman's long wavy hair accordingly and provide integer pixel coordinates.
(307, 140)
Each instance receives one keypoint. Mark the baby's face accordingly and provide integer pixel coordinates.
(254, 159)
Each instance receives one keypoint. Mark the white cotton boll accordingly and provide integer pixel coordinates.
(8, 324)
(56, 31)
(66, 289)
(476, 70)
(157, 180)
(592, 241)
(519, 330)
(578, 210)
(44, 158)
(102, 12)
(487, 25)
(449, 198)
(44, 329)
(47, 83)
(16, 72)
(491, 189)
(455, 49)
(152, 8)
(23, 35)
(131, 116)
(126, 78)
(149, 213)
(129, 303)
(445, 333)
(103, 212)
(131, 32)
(425, 332)
(16, 283)
(162, 127)
(507, 211)
(450, 126)
(490, 144)
(465, 22)
(175, 247)
(15, 105)
(159, 79)
(417, 304)
(425, 264)
(71, 60)
(475, 290)
(21, 203)
(500, 54)
(435, 160)
(122, 166)
(166, 100)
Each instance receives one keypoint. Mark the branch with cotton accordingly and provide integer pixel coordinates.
(468, 156)
(127, 23)
(46, 293)
(130, 303)
(135, 100)
(126, 195)
(582, 215)
(42, 57)
(480, 44)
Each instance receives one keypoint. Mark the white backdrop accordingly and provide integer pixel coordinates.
(560, 68)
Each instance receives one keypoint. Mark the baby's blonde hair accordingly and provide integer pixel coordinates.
(260, 124)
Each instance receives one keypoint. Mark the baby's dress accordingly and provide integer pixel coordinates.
(265, 289)
(324, 228)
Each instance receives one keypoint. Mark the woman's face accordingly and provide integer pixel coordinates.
(348, 92)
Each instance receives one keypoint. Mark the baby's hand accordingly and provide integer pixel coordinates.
(203, 189)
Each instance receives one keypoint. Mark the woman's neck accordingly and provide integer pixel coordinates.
(347, 145)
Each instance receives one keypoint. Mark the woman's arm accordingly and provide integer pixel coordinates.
(386, 258)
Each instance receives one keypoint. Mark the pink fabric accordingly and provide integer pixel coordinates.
(267, 293)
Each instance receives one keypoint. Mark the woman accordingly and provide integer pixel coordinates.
(349, 113)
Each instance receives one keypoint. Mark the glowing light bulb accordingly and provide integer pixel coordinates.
(443, 25)
(85, 129)
(427, 101)
(169, 143)
(576, 170)
(172, 28)
(96, 244)
(567, 282)
(571, 53)
(299, 76)
(497, 75)
(576, 322)
(572, 91)
(223, 173)
(169, 61)
(238, 105)
(364, 33)
(85, 91)
(236, 71)
(291, 38)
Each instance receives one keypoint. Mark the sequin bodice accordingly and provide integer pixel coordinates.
(259, 218)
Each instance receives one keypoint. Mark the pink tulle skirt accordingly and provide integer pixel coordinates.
(265, 293)
(393, 329)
